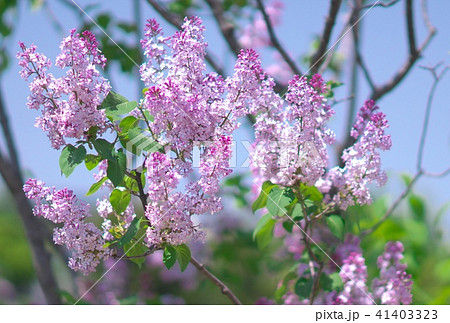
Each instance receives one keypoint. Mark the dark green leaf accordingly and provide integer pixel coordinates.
(131, 232)
(183, 256)
(96, 186)
(417, 205)
(169, 257)
(336, 225)
(120, 200)
(116, 168)
(104, 148)
(303, 287)
(112, 100)
(70, 158)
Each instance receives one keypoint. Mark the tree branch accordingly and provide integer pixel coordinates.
(274, 39)
(326, 34)
(223, 288)
(226, 28)
(419, 168)
(10, 171)
(414, 53)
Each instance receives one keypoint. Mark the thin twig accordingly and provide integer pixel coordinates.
(426, 119)
(419, 167)
(414, 53)
(393, 206)
(223, 288)
(318, 57)
(380, 4)
(226, 27)
(315, 288)
(274, 39)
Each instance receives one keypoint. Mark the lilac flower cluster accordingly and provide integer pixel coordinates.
(291, 143)
(362, 160)
(69, 103)
(394, 285)
(354, 276)
(83, 238)
(192, 110)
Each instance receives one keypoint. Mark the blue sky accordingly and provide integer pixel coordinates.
(383, 44)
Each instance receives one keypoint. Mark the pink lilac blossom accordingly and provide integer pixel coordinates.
(362, 160)
(63, 207)
(354, 277)
(394, 285)
(68, 104)
(191, 109)
(290, 144)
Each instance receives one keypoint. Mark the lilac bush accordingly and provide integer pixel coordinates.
(185, 108)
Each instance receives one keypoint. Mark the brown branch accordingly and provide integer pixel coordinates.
(10, 170)
(380, 4)
(426, 119)
(223, 288)
(393, 206)
(441, 174)
(274, 39)
(177, 22)
(226, 27)
(324, 41)
(378, 91)
(419, 169)
(414, 53)
(315, 288)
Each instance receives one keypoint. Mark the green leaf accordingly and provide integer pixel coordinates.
(127, 123)
(91, 161)
(312, 193)
(288, 225)
(104, 148)
(169, 257)
(116, 168)
(406, 178)
(112, 100)
(261, 201)
(336, 225)
(183, 256)
(263, 232)
(297, 212)
(278, 200)
(131, 232)
(279, 293)
(303, 287)
(120, 200)
(417, 205)
(136, 250)
(96, 186)
(70, 158)
(116, 105)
